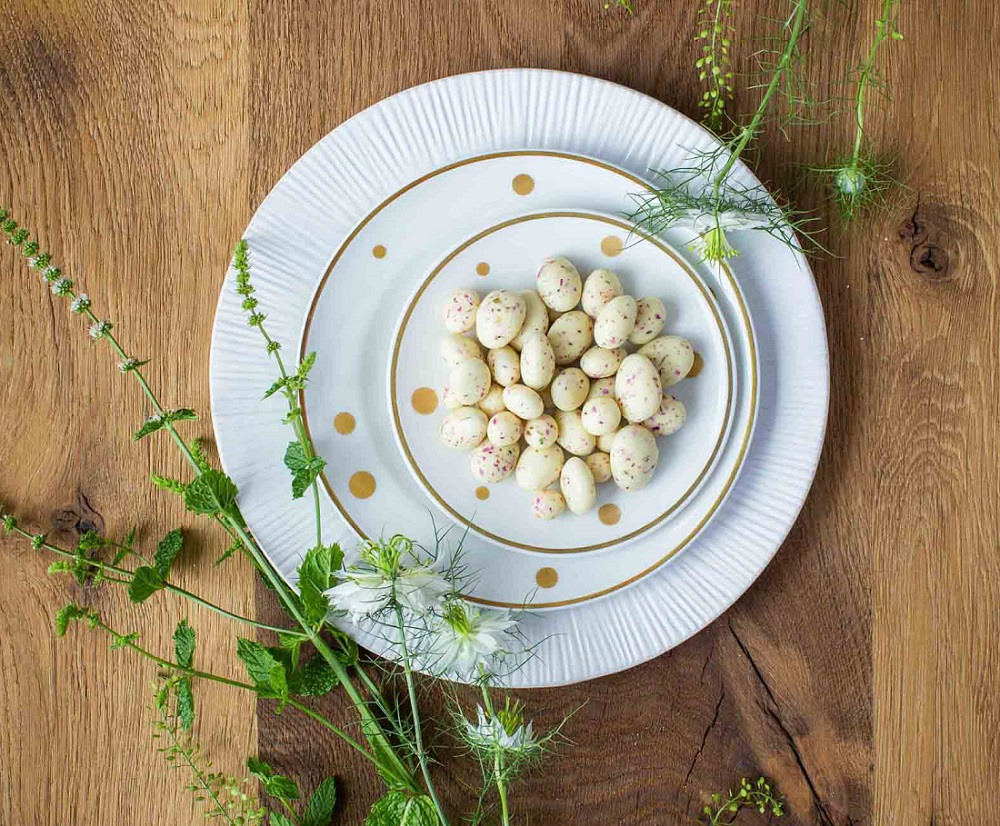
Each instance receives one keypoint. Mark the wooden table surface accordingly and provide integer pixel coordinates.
(860, 672)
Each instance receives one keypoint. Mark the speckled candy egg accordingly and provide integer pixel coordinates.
(538, 362)
(572, 437)
(499, 318)
(569, 388)
(548, 504)
(570, 336)
(523, 402)
(672, 356)
(536, 319)
(492, 464)
(668, 419)
(504, 429)
(577, 485)
(559, 284)
(539, 467)
(637, 388)
(602, 387)
(600, 466)
(633, 457)
(650, 316)
(460, 311)
(541, 432)
(606, 442)
(456, 348)
(463, 428)
(615, 322)
(599, 363)
(448, 399)
(600, 287)
(505, 365)
(601, 416)
(492, 402)
(469, 381)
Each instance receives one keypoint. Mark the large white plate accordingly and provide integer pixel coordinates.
(368, 285)
(319, 203)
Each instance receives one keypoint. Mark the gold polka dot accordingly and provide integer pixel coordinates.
(482, 493)
(612, 246)
(378, 251)
(424, 400)
(696, 368)
(609, 514)
(344, 423)
(546, 577)
(362, 484)
(523, 184)
(482, 268)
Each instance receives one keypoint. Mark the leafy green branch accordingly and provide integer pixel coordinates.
(724, 810)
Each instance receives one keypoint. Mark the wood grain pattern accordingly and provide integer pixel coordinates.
(861, 671)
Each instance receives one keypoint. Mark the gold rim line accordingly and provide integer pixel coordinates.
(414, 465)
(640, 183)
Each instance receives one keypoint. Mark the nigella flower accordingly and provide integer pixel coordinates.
(100, 329)
(80, 304)
(62, 286)
(466, 637)
(504, 731)
(366, 592)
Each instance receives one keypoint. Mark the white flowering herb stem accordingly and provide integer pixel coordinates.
(704, 197)
(213, 494)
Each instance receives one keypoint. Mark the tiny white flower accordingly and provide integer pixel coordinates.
(51, 274)
(100, 329)
(80, 304)
(505, 731)
(62, 286)
(128, 364)
(466, 637)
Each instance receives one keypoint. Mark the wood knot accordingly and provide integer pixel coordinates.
(79, 518)
(932, 244)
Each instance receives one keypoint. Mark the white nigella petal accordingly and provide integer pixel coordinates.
(730, 221)
(466, 637)
(505, 731)
(367, 592)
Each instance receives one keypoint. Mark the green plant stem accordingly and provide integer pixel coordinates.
(196, 771)
(866, 72)
(747, 133)
(218, 678)
(497, 763)
(415, 710)
(173, 589)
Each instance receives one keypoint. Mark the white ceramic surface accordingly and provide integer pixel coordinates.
(317, 206)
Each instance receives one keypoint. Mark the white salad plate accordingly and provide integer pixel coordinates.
(352, 251)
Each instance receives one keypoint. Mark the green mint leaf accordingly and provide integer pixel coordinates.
(185, 704)
(274, 388)
(318, 573)
(267, 671)
(182, 415)
(167, 550)
(184, 643)
(234, 546)
(66, 615)
(281, 787)
(259, 769)
(319, 810)
(146, 581)
(150, 426)
(304, 470)
(398, 808)
(278, 819)
(211, 493)
(314, 679)
(292, 643)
